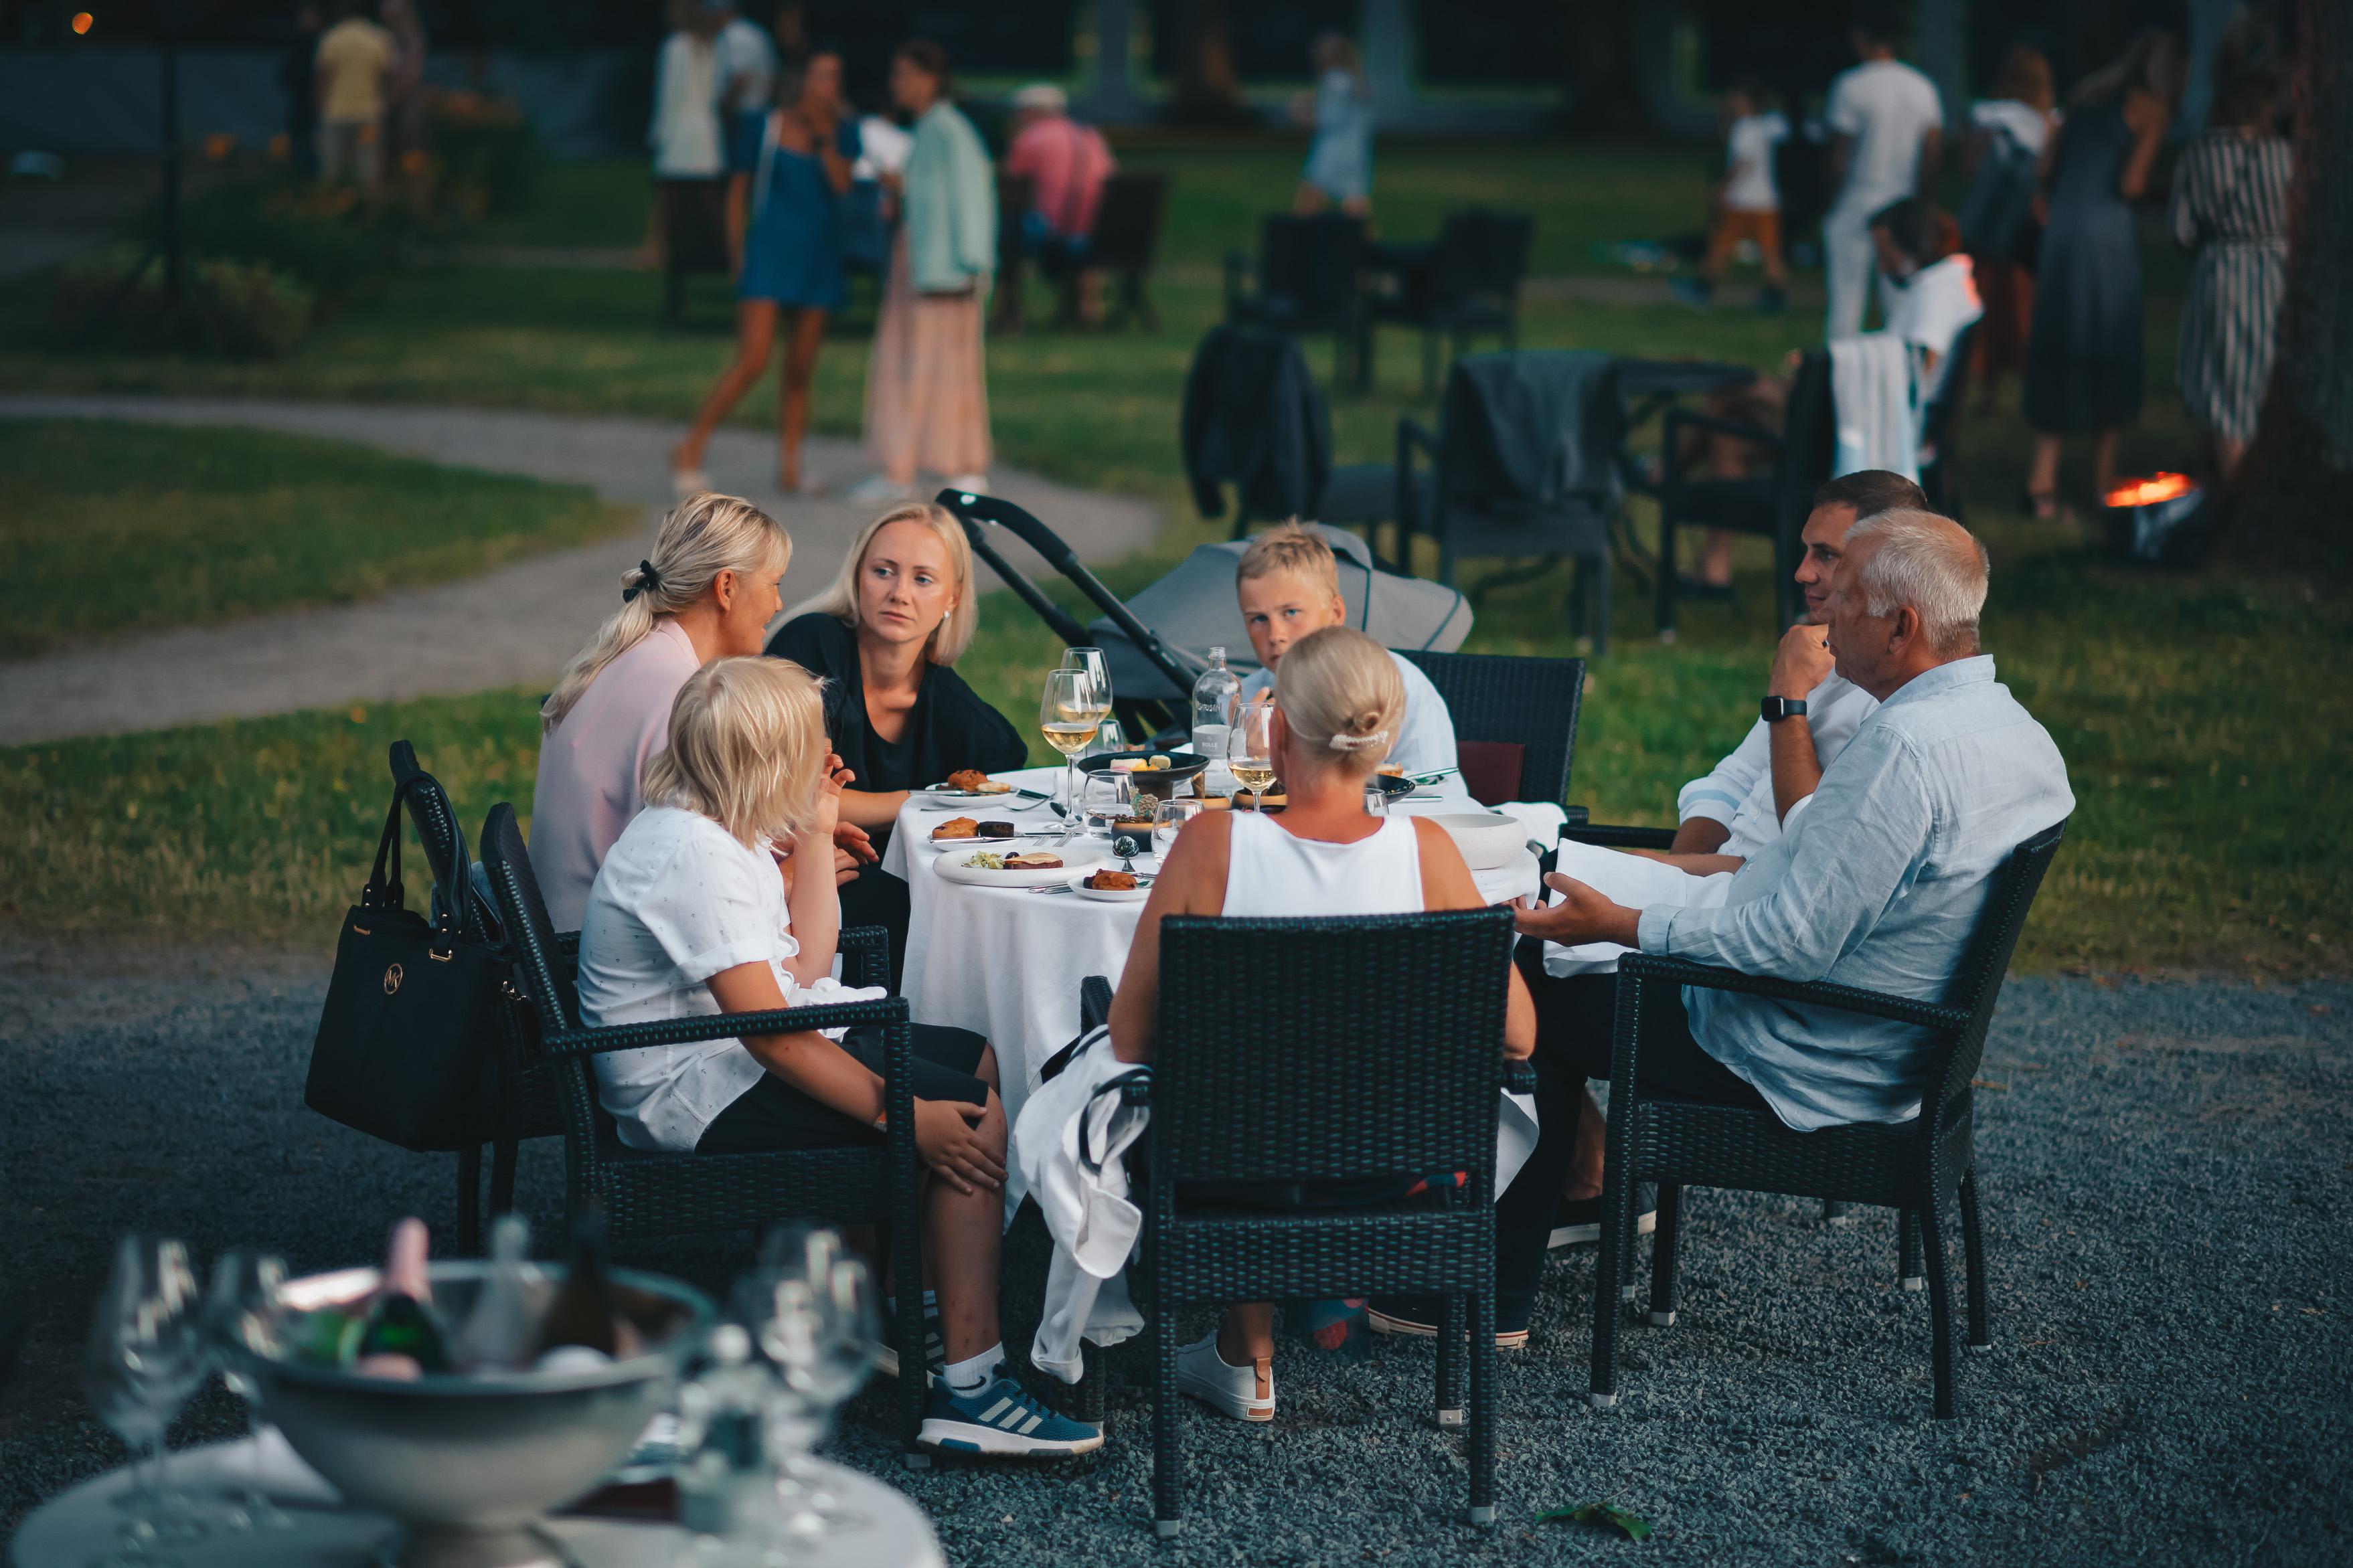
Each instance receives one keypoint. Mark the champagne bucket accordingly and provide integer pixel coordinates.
(468, 1464)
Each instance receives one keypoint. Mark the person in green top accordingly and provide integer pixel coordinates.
(926, 388)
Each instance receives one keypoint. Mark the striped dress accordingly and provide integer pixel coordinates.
(2229, 203)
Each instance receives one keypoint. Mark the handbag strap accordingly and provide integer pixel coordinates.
(380, 894)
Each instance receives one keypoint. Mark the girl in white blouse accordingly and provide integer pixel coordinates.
(690, 915)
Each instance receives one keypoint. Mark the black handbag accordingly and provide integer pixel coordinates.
(407, 1044)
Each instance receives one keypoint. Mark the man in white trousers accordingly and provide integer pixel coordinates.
(1886, 126)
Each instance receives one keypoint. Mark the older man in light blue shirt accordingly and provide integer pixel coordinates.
(1881, 882)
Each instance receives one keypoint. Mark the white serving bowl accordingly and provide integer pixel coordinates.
(1488, 839)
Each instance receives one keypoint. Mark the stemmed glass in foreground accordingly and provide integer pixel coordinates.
(1068, 711)
(811, 1307)
(146, 1355)
(1168, 819)
(1250, 748)
(243, 1314)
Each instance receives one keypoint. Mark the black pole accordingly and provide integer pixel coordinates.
(171, 237)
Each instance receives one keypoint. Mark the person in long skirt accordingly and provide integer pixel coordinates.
(2229, 205)
(2017, 117)
(2083, 358)
(792, 163)
(927, 385)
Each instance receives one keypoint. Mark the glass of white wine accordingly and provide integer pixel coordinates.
(1250, 748)
(1066, 715)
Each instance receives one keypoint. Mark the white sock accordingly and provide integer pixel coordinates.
(974, 1373)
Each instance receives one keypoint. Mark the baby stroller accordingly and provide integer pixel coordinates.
(1158, 644)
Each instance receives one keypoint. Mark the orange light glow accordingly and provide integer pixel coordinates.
(81, 21)
(2158, 487)
(219, 145)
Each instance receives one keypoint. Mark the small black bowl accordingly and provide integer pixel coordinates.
(1160, 784)
(1392, 788)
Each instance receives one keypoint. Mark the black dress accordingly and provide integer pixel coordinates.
(949, 728)
(2083, 351)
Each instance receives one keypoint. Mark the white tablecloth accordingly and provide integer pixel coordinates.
(80, 1524)
(1006, 963)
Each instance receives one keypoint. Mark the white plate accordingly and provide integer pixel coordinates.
(1078, 857)
(1136, 895)
(940, 794)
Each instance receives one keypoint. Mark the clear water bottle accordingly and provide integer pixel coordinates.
(1213, 705)
(727, 1479)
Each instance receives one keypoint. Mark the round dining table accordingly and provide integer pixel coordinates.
(1006, 962)
(81, 1524)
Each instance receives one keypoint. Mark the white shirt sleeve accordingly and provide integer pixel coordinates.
(714, 907)
(1718, 795)
(1840, 114)
(1425, 743)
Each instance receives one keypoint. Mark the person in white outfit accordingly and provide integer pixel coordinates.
(1887, 126)
(1338, 704)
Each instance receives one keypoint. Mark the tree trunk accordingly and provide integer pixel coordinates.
(2292, 511)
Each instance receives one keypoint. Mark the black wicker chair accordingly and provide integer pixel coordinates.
(1308, 279)
(1531, 703)
(662, 1194)
(1774, 504)
(1940, 428)
(1916, 1167)
(1123, 244)
(1282, 1049)
(1464, 282)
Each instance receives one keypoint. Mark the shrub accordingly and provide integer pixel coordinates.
(320, 236)
(238, 309)
(486, 153)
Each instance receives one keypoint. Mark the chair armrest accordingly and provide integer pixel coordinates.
(887, 1010)
(865, 955)
(1609, 836)
(1520, 1077)
(568, 942)
(1670, 467)
(1094, 1002)
(1647, 968)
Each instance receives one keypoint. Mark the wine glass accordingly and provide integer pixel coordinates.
(1104, 798)
(1168, 819)
(1098, 668)
(1376, 799)
(243, 1316)
(822, 1338)
(144, 1358)
(1068, 713)
(1250, 748)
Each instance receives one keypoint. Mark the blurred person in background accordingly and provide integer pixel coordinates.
(926, 382)
(1339, 170)
(405, 129)
(2230, 205)
(2083, 356)
(1066, 163)
(1746, 203)
(351, 69)
(1887, 128)
(745, 62)
(689, 146)
(791, 164)
(2001, 215)
(298, 74)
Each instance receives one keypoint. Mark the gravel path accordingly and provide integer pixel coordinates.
(511, 626)
(2167, 1188)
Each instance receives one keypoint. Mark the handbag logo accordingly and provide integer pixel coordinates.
(391, 978)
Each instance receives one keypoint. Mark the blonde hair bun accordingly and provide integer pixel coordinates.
(1341, 694)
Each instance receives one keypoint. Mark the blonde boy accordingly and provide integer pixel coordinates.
(1289, 584)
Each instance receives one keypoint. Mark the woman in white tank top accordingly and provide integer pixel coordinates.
(1338, 705)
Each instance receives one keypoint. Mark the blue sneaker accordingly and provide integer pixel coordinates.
(1002, 1418)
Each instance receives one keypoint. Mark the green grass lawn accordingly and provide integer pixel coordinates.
(2198, 716)
(112, 527)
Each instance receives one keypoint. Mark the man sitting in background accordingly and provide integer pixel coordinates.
(352, 66)
(1878, 885)
(1066, 163)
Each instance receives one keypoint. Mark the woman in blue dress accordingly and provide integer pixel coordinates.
(788, 165)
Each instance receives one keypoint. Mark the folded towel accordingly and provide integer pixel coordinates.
(1870, 394)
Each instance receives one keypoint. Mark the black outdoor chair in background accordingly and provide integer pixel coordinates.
(1466, 281)
(661, 1195)
(1525, 459)
(1253, 419)
(1917, 1167)
(1940, 428)
(1514, 720)
(694, 239)
(1123, 245)
(1308, 280)
(1774, 504)
(1280, 1048)
(1016, 195)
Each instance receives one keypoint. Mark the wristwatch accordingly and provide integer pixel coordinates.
(1777, 709)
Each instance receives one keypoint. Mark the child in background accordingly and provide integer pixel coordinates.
(1289, 584)
(1748, 202)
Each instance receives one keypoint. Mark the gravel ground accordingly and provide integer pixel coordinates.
(2168, 1176)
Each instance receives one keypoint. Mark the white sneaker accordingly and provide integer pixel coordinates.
(1244, 1393)
(878, 488)
(973, 484)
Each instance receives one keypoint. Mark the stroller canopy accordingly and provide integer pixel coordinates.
(1194, 609)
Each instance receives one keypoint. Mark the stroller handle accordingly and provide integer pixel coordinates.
(979, 513)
